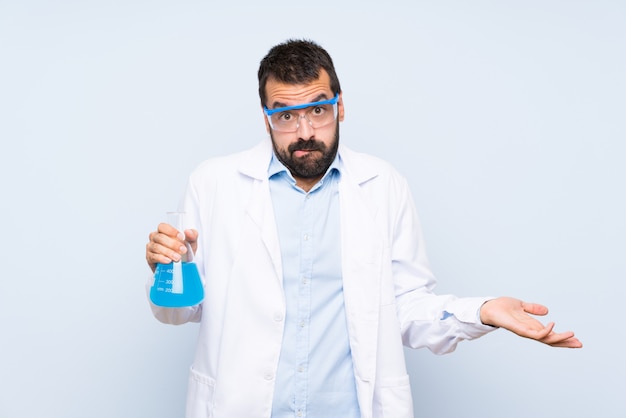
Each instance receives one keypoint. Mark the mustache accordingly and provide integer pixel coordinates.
(308, 145)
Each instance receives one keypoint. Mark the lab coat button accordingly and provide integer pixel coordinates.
(278, 317)
(269, 376)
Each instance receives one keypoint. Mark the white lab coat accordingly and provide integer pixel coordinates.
(386, 278)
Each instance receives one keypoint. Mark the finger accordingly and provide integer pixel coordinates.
(191, 235)
(569, 343)
(572, 342)
(171, 238)
(154, 258)
(541, 335)
(535, 308)
(157, 253)
(563, 339)
(162, 244)
(170, 231)
(533, 331)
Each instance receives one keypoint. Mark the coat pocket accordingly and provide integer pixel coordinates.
(393, 398)
(200, 395)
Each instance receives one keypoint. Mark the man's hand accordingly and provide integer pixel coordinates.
(166, 244)
(513, 314)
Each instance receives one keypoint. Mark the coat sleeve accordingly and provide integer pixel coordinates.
(438, 322)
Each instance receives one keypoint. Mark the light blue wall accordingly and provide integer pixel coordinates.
(507, 118)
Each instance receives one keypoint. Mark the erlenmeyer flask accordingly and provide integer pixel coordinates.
(177, 284)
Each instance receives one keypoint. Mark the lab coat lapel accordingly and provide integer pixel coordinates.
(260, 208)
(362, 255)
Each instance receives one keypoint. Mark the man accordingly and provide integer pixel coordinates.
(314, 267)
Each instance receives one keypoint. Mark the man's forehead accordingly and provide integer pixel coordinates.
(290, 94)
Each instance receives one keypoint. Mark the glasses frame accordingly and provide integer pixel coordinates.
(270, 112)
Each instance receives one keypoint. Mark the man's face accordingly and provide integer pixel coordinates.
(307, 152)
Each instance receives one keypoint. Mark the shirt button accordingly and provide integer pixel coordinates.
(300, 369)
(305, 237)
(304, 280)
(278, 317)
(299, 413)
(301, 324)
(268, 376)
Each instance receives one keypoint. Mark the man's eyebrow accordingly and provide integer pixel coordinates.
(318, 98)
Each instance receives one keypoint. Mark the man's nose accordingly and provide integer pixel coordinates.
(305, 130)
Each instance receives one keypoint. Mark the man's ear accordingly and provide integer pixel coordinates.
(340, 108)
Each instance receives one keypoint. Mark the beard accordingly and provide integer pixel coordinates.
(308, 166)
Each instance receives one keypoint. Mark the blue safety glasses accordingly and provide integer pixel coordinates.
(318, 114)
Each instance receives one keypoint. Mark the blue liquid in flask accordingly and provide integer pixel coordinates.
(177, 285)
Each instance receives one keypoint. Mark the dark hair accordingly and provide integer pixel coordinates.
(296, 61)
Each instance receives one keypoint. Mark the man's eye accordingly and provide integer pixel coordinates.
(285, 117)
(318, 110)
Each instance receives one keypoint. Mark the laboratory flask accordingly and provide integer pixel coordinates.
(177, 284)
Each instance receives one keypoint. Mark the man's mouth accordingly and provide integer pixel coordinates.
(302, 152)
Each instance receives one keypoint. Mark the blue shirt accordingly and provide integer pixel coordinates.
(315, 377)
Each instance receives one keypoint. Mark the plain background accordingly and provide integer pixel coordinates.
(507, 117)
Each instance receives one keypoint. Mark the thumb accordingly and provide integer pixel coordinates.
(191, 236)
(534, 309)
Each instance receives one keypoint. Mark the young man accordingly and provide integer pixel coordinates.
(314, 267)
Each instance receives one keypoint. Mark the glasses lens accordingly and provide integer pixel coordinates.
(320, 116)
(284, 121)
